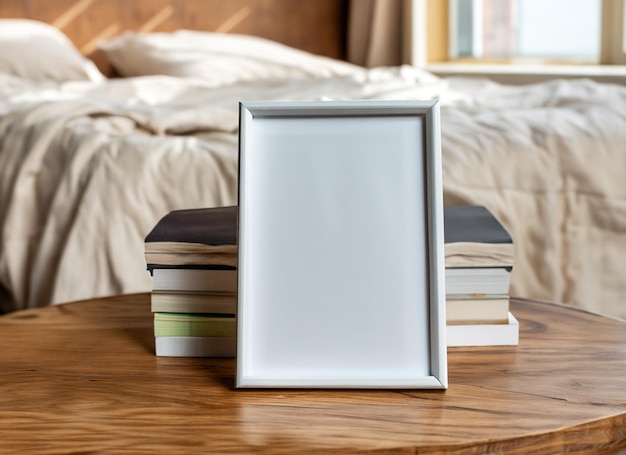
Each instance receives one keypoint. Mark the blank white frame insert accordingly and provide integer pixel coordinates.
(341, 261)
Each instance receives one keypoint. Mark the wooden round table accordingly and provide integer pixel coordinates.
(82, 378)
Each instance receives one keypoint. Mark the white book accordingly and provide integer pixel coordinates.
(477, 311)
(205, 280)
(477, 280)
(195, 346)
(484, 334)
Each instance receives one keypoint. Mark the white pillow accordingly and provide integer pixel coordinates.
(40, 52)
(216, 57)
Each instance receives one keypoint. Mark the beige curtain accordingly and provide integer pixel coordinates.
(379, 32)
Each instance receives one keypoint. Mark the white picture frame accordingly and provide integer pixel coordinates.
(341, 264)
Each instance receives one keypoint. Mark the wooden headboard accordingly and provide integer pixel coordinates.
(316, 26)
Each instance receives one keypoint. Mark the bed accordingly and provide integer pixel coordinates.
(101, 136)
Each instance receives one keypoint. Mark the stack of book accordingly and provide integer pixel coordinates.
(478, 262)
(192, 258)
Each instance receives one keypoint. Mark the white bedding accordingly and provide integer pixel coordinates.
(86, 169)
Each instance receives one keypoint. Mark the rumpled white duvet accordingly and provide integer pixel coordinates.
(87, 169)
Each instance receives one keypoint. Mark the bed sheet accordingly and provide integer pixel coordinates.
(86, 170)
(549, 160)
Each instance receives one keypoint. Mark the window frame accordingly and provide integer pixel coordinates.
(430, 41)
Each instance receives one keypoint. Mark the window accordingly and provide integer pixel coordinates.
(526, 30)
(520, 41)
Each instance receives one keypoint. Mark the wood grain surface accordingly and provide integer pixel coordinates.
(83, 378)
(316, 26)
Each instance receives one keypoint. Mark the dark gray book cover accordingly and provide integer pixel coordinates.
(208, 226)
(218, 226)
(472, 223)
